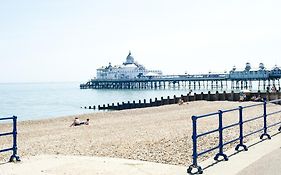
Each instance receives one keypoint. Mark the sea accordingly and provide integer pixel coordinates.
(34, 101)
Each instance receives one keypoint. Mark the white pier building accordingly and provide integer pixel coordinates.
(128, 70)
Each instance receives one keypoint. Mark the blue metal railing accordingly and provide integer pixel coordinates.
(14, 156)
(220, 129)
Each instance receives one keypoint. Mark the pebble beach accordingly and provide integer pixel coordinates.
(158, 134)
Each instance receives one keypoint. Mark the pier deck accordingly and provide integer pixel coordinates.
(207, 81)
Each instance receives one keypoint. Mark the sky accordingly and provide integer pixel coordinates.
(67, 40)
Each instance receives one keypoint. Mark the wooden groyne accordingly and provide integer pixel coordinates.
(232, 96)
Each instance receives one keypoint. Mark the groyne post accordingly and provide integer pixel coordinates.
(209, 96)
(168, 100)
(162, 101)
(224, 96)
(232, 96)
(202, 96)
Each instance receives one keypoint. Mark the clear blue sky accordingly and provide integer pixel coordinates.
(67, 40)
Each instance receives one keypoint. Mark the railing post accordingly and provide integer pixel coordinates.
(264, 121)
(15, 156)
(220, 140)
(241, 131)
(194, 155)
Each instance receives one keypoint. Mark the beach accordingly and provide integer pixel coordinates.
(158, 134)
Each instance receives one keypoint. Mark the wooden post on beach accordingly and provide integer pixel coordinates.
(144, 103)
(168, 100)
(139, 104)
(184, 98)
(94, 107)
(150, 102)
(209, 96)
(98, 107)
(217, 96)
(224, 96)
(202, 96)
(122, 106)
(134, 104)
(187, 97)
(232, 96)
(175, 99)
(194, 98)
(162, 101)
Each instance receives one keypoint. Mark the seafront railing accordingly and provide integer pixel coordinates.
(195, 168)
(14, 157)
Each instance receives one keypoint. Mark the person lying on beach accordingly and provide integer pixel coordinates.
(77, 122)
(87, 122)
(258, 98)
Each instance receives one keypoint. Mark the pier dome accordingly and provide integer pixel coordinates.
(130, 69)
(261, 66)
(129, 59)
(248, 67)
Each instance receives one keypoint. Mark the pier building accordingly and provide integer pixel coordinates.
(243, 79)
(130, 69)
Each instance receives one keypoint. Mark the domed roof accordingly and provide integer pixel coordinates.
(248, 66)
(261, 66)
(129, 59)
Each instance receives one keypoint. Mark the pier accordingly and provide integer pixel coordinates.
(244, 80)
(134, 76)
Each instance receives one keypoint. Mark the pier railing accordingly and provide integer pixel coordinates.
(14, 157)
(195, 168)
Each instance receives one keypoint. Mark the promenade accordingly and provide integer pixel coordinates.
(263, 157)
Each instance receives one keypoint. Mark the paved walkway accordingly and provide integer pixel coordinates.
(268, 164)
(82, 165)
(263, 157)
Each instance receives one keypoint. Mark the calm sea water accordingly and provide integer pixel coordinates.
(31, 101)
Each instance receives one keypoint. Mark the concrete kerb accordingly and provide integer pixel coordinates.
(241, 159)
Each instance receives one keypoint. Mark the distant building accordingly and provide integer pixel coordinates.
(128, 70)
(254, 74)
